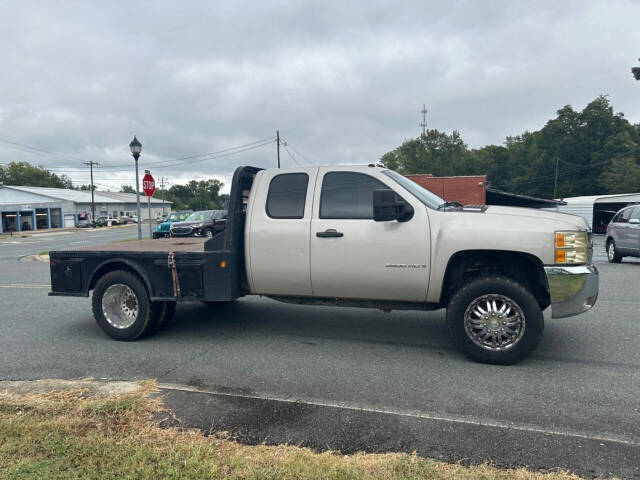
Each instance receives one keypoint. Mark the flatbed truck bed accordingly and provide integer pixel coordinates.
(170, 269)
(166, 245)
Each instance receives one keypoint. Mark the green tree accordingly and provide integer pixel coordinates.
(622, 176)
(583, 144)
(198, 195)
(23, 173)
(127, 189)
(435, 152)
(635, 71)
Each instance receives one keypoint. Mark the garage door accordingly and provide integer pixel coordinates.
(69, 221)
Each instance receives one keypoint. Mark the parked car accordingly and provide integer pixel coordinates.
(205, 223)
(106, 221)
(84, 221)
(623, 234)
(127, 219)
(164, 229)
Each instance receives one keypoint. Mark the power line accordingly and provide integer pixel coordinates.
(298, 152)
(171, 163)
(123, 167)
(91, 163)
(278, 142)
(23, 147)
(207, 156)
(292, 157)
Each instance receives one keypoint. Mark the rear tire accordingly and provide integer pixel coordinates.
(495, 319)
(121, 306)
(612, 252)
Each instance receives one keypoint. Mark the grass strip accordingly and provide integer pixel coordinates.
(73, 435)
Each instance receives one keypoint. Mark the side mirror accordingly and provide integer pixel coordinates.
(634, 221)
(387, 206)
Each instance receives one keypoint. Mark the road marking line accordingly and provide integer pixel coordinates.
(412, 414)
(23, 285)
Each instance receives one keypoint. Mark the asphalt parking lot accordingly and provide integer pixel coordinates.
(354, 379)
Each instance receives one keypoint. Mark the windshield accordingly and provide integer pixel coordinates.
(425, 196)
(173, 217)
(199, 216)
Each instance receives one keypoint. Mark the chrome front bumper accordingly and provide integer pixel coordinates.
(574, 289)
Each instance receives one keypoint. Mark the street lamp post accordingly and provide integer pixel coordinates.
(136, 148)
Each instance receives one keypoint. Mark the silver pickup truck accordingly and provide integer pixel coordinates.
(355, 236)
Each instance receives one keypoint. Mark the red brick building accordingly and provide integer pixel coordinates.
(471, 190)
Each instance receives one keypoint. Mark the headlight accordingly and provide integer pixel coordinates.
(198, 225)
(571, 248)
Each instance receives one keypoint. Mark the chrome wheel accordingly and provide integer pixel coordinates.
(611, 251)
(120, 306)
(494, 322)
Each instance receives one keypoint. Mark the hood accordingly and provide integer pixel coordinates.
(188, 224)
(571, 221)
(514, 219)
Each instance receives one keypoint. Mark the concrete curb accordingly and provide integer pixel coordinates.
(100, 388)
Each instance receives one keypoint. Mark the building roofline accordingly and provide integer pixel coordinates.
(526, 197)
(105, 198)
(430, 175)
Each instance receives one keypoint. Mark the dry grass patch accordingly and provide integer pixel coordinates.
(72, 434)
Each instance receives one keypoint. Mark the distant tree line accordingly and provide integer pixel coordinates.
(23, 173)
(596, 151)
(194, 195)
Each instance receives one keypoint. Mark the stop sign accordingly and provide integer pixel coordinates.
(148, 185)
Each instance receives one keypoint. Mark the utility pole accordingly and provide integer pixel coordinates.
(424, 120)
(91, 163)
(278, 142)
(555, 183)
(162, 187)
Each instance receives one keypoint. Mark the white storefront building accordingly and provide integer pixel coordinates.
(35, 208)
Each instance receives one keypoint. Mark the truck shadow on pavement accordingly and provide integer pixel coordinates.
(310, 324)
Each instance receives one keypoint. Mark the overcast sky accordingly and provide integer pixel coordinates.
(343, 81)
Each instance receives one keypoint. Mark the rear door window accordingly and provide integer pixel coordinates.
(287, 195)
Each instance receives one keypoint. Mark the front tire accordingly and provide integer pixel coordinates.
(495, 319)
(121, 306)
(612, 252)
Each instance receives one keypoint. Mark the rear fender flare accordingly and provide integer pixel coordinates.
(111, 265)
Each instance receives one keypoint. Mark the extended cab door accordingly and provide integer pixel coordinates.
(277, 232)
(353, 256)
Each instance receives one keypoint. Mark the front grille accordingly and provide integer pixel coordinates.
(181, 230)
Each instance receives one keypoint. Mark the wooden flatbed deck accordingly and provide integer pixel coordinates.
(185, 244)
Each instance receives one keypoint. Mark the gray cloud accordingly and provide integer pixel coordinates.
(343, 81)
